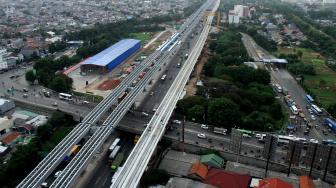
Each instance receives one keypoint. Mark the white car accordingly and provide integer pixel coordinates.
(55, 104)
(201, 135)
(177, 121)
(310, 111)
(144, 114)
(58, 173)
(203, 126)
(313, 117)
(314, 141)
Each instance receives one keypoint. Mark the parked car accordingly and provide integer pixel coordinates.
(313, 117)
(177, 121)
(201, 135)
(203, 126)
(314, 141)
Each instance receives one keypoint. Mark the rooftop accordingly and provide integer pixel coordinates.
(178, 163)
(186, 183)
(9, 138)
(199, 169)
(109, 54)
(224, 179)
(212, 160)
(3, 101)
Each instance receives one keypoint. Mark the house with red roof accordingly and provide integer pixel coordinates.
(10, 138)
(273, 183)
(198, 171)
(224, 179)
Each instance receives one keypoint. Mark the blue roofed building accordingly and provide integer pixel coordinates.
(111, 57)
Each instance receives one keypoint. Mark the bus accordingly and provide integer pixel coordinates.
(278, 88)
(330, 123)
(163, 77)
(117, 162)
(309, 99)
(329, 142)
(114, 153)
(220, 130)
(285, 139)
(114, 144)
(316, 109)
(246, 133)
(294, 109)
(65, 96)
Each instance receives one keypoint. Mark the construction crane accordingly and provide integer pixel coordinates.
(209, 13)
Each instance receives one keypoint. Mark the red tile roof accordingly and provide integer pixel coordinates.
(199, 169)
(306, 182)
(273, 183)
(224, 179)
(9, 138)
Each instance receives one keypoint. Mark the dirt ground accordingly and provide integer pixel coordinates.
(191, 88)
(107, 82)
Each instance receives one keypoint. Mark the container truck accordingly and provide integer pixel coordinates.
(117, 162)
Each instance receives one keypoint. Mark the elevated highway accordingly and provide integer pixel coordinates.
(137, 161)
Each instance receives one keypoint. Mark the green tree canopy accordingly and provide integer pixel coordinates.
(30, 76)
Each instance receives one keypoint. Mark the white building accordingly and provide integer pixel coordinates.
(242, 11)
(5, 125)
(3, 62)
(233, 17)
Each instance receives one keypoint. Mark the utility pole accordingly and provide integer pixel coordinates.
(269, 155)
(291, 159)
(312, 162)
(328, 160)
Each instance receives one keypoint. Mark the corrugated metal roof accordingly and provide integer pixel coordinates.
(109, 54)
(212, 160)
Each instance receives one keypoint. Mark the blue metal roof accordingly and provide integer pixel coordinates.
(106, 56)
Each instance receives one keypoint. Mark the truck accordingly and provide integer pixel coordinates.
(114, 153)
(117, 162)
(74, 150)
(121, 97)
(220, 130)
(136, 139)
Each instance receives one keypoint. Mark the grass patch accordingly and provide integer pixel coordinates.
(143, 36)
(323, 84)
(89, 97)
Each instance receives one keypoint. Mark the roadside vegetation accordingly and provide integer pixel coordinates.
(233, 94)
(317, 78)
(25, 157)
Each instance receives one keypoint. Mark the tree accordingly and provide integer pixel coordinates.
(154, 177)
(332, 109)
(196, 112)
(223, 112)
(61, 83)
(30, 76)
(299, 54)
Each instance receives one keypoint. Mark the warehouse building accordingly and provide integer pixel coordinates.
(111, 57)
